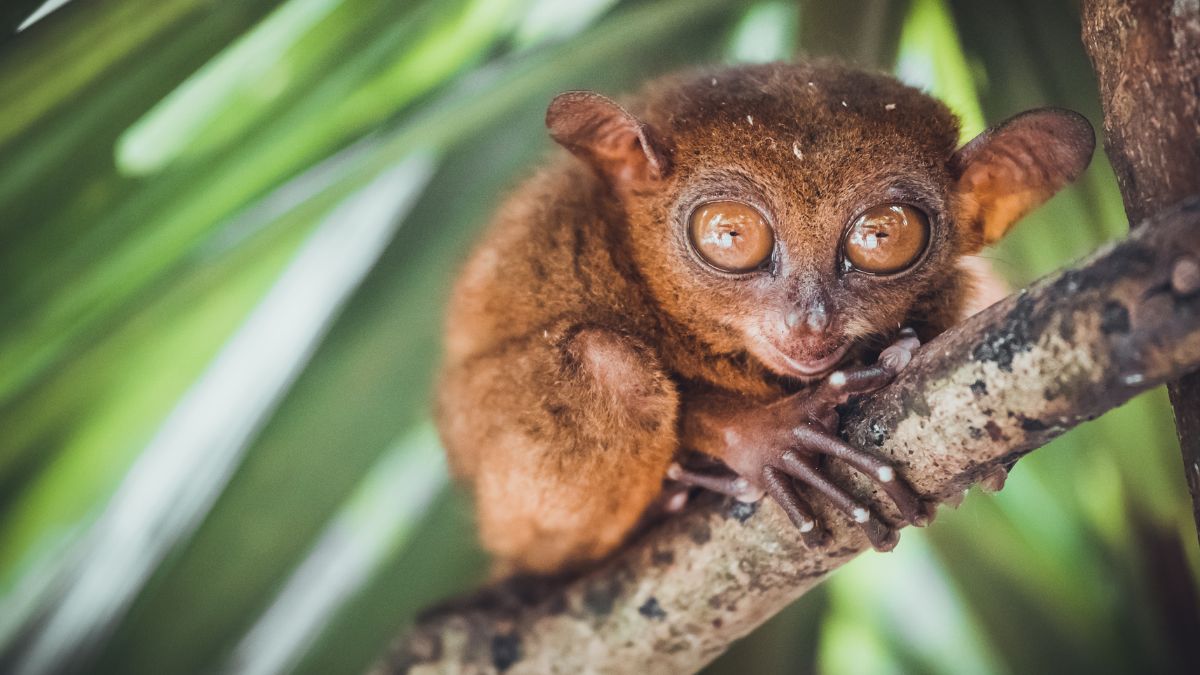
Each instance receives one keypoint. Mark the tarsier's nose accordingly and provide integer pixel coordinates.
(813, 317)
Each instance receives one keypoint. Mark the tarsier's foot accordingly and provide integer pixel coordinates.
(770, 450)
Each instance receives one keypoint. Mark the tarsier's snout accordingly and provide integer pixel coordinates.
(803, 342)
(808, 318)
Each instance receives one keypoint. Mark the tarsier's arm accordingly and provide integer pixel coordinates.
(794, 259)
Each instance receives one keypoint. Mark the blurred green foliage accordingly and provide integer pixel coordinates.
(168, 167)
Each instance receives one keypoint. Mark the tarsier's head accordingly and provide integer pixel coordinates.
(796, 212)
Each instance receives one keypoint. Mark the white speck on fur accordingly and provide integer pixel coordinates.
(796, 150)
(714, 82)
(886, 474)
(844, 105)
(674, 472)
(890, 106)
(807, 526)
(750, 120)
(861, 515)
(1135, 378)
(838, 379)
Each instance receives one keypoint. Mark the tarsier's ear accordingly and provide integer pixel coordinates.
(612, 141)
(1011, 169)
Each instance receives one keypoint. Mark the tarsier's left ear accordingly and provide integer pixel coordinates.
(614, 142)
(1011, 169)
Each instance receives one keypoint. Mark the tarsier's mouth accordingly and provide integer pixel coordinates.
(814, 365)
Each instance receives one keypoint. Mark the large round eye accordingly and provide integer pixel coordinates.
(886, 239)
(731, 236)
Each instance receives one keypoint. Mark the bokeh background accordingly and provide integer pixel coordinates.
(227, 230)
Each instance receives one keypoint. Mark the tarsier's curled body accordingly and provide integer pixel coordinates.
(706, 278)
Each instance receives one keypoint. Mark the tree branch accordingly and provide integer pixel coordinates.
(972, 401)
(1146, 54)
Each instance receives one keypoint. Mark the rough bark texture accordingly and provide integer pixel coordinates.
(1146, 54)
(973, 401)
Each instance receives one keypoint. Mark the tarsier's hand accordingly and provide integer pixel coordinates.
(770, 449)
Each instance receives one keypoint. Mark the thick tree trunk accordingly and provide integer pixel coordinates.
(972, 401)
(1146, 54)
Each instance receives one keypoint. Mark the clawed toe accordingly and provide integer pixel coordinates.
(881, 536)
(898, 355)
(880, 472)
(728, 483)
(843, 384)
(807, 473)
(779, 485)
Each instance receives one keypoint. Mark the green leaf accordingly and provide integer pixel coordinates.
(185, 466)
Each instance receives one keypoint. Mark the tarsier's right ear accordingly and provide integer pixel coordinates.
(601, 133)
(1011, 169)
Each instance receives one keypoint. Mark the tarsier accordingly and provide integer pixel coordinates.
(714, 268)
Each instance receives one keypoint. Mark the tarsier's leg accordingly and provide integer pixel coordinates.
(772, 449)
(565, 438)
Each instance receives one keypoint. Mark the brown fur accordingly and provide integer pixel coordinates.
(584, 329)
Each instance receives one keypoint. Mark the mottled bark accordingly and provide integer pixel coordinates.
(974, 400)
(1146, 54)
